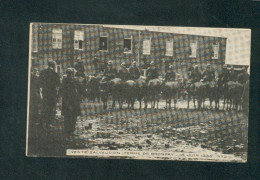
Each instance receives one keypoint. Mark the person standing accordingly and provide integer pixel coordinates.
(71, 99)
(49, 82)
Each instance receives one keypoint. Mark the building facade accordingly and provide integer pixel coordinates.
(95, 44)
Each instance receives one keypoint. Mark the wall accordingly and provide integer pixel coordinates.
(66, 57)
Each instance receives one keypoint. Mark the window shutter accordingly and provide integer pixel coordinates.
(169, 48)
(147, 46)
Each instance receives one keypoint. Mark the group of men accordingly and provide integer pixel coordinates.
(131, 73)
(46, 84)
(226, 74)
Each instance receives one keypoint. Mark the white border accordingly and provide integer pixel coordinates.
(29, 82)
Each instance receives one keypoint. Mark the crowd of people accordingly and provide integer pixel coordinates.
(46, 87)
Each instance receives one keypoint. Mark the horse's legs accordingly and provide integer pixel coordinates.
(194, 102)
(158, 99)
(175, 102)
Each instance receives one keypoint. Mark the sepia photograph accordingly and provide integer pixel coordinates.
(138, 92)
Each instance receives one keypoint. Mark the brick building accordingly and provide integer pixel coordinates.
(65, 43)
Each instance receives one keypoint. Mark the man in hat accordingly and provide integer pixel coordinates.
(71, 99)
(79, 68)
(109, 72)
(152, 71)
(243, 76)
(208, 74)
(134, 71)
(195, 74)
(49, 82)
(224, 74)
(170, 75)
(232, 74)
(123, 72)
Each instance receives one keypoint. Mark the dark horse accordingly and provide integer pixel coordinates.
(141, 91)
(154, 91)
(111, 88)
(171, 91)
(197, 92)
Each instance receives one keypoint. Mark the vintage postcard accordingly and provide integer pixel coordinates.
(138, 92)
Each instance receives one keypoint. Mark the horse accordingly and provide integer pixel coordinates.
(93, 88)
(233, 95)
(196, 90)
(171, 91)
(141, 91)
(111, 87)
(154, 91)
(213, 93)
(129, 92)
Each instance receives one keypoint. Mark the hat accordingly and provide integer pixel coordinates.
(152, 63)
(69, 70)
(123, 64)
(51, 63)
(134, 62)
(79, 60)
(196, 66)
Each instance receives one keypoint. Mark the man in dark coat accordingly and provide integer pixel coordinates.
(208, 74)
(134, 71)
(232, 75)
(224, 74)
(123, 72)
(170, 74)
(35, 95)
(71, 100)
(110, 72)
(152, 72)
(49, 82)
(195, 75)
(243, 76)
(79, 68)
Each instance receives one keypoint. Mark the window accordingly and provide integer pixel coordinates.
(103, 42)
(215, 48)
(57, 39)
(78, 40)
(169, 48)
(193, 47)
(128, 45)
(147, 46)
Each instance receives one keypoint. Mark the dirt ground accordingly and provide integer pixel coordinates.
(172, 130)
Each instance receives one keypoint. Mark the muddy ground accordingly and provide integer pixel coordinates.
(172, 130)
